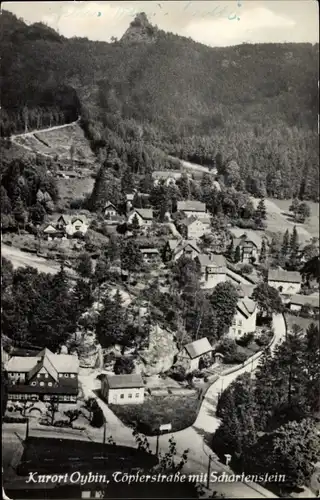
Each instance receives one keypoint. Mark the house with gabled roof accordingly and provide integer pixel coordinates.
(297, 302)
(244, 321)
(286, 282)
(43, 377)
(191, 354)
(144, 216)
(213, 268)
(191, 207)
(168, 177)
(123, 389)
(174, 249)
(70, 224)
(195, 226)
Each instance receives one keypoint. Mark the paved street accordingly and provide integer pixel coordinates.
(193, 437)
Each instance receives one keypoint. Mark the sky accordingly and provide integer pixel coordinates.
(214, 23)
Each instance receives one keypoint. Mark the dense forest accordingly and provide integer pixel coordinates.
(253, 104)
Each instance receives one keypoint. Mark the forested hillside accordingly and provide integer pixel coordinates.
(255, 104)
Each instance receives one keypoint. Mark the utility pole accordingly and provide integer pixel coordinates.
(104, 432)
(209, 471)
(27, 430)
(157, 447)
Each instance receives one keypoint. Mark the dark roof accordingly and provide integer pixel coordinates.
(198, 347)
(69, 386)
(246, 306)
(124, 381)
(285, 276)
(301, 300)
(211, 260)
(191, 205)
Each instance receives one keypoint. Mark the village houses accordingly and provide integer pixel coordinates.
(144, 216)
(168, 177)
(244, 321)
(213, 269)
(123, 389)
(150, 255)
(43, 377)
(66, 225)
(286, 282)
(194, 227)
(191, 207)
(174, 249)
(297, 302)
(192, 354)
(112, 215)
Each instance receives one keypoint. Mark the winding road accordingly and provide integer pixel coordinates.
(194, 437)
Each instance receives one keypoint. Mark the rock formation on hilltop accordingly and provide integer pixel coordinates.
(140, 30)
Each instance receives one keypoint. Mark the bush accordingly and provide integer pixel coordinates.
(245, 339)
(263, 340)
(61, 423)
(246, 269)
(77, 203)
(178, 373)
(123, 365)
(97, 418)
(246, 224)
(15, 420)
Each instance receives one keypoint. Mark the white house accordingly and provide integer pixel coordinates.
(190, 355)
(213, 269)
(123, 389)
(174, 249)
(194, 227)
(191, 207)
(143, 215)
(150, 254)
(287, 282)
(244, 321)
(169, 177)
(77, 224)
(110, 210)
(50, 232)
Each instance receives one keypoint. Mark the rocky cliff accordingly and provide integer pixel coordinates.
(140, 30)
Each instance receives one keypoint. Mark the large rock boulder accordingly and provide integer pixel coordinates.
(159, 356)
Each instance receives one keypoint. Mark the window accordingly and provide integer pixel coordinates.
(239, 332)
(38, 376)
(45, 375)
(130, 396)
(233, 330)
(234, 322)
(240, 322)
(121, 396)
(72, 375)
(34, 383)
(41, 383)
(66, 375)
(137, 394)
(67, 397)
(50, 384)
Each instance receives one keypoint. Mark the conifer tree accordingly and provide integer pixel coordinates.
(263, 252)
(285, 244)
